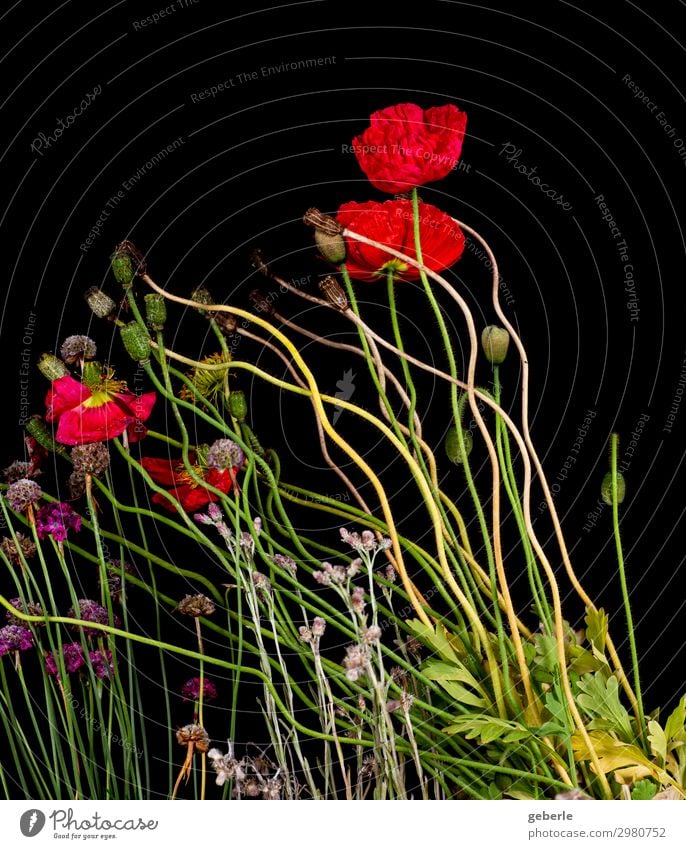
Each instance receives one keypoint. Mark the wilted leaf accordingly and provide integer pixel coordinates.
(614, 755)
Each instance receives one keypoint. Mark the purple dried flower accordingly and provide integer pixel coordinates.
(16, 471)
(91, 611)
(75, 348)
(215, 511)
(191, 690)
(31, 607)
(286, 563)
(225, 454)
(22, 494)
(56, 520)
(73, 659)
(101, 662)
(15, 638)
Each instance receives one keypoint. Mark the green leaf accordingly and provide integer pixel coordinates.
(644, 790)
(462, 694)
(557, 710)
(488, 729)
(674, 727)
(600, 699)
(658, 741)
(439, 639)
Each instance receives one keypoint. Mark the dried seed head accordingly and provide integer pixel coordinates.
(16, 471)
(260, 302)
(372, 634)
(225, 454)
(259, 263)
(334, 293)
(31, 607)
(101, 304)
(286, 563)
(76, 348)
(22, 494)
(316, 219)
(52, 367)
(92, 458)
(196, 605)
(194, 734)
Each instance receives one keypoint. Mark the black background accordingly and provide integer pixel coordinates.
(550, 79)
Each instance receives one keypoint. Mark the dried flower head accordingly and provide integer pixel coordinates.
(26, 547)
(225, 454)
(272, 788)
(226, 766)
(318, 626)
(372, 634)
(101, 661)
(31, 607)
(78, 348)
(73, 659)
(369, 768)
(357, 599)
(196, 605)
(355, 660)
(193, 735)
(286, 563)
(91, 611)
(15, 638)
(93, 458)
(17, 471)
(208, 383)
(22, 494)
(191, 690)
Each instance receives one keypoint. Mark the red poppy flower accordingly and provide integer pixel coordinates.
(392, 224)
(93, 415)
(405, 146)
(192, 496)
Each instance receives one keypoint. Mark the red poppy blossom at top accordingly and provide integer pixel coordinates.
(406, 146)
(191, 495)
(391, 223)
(85, 415)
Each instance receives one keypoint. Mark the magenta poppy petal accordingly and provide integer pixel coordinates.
(64, 394)
(91, 424)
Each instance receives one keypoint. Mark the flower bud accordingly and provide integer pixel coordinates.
(52, 367)
(155, 310)
(39, 430)
(606, 488)
(332, 248)
(238, 405)
(495, 342)
(334, 293)
(316, 219)
(101, 304)
(136, 341)
(452, 445)
(201, 295)
(225, 321)
(127, 262)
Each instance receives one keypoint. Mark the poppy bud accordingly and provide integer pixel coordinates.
(606, 488)
(136, 341)
(332, 248)
(38, 429)
(155, 310)
(52, 367)
(452, 445)
(495, 341)
(316, 219)
(238, 405)
(101, 304)
(201, 295)
(127, 262)
(260, 302)
(333, 292)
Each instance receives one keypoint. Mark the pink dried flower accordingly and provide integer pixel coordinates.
(56, 520)
(191, 690)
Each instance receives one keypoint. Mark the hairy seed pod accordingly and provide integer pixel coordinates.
(334, 293)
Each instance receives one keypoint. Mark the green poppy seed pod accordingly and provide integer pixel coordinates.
(606, 488)
(238, 405)
(452, 445)
(101, 304)
(495, 342)
(52, 367)
(136, 341)
(155, 310)
(332, 248)
(127, 261)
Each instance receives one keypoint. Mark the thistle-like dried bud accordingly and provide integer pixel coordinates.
(260, 302)
(136, 341)
(452, 445)
(259, 263)
(26, 547)
(52, 367)
(196, 605)
(606, 488)
(194, 734)
(316, 219)
(127, 261)
(101, 304)
(332, 248)
(93, 458)
(238, 405)
(77, 348)
(334, 293)
(495, 342)
(155, 310)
